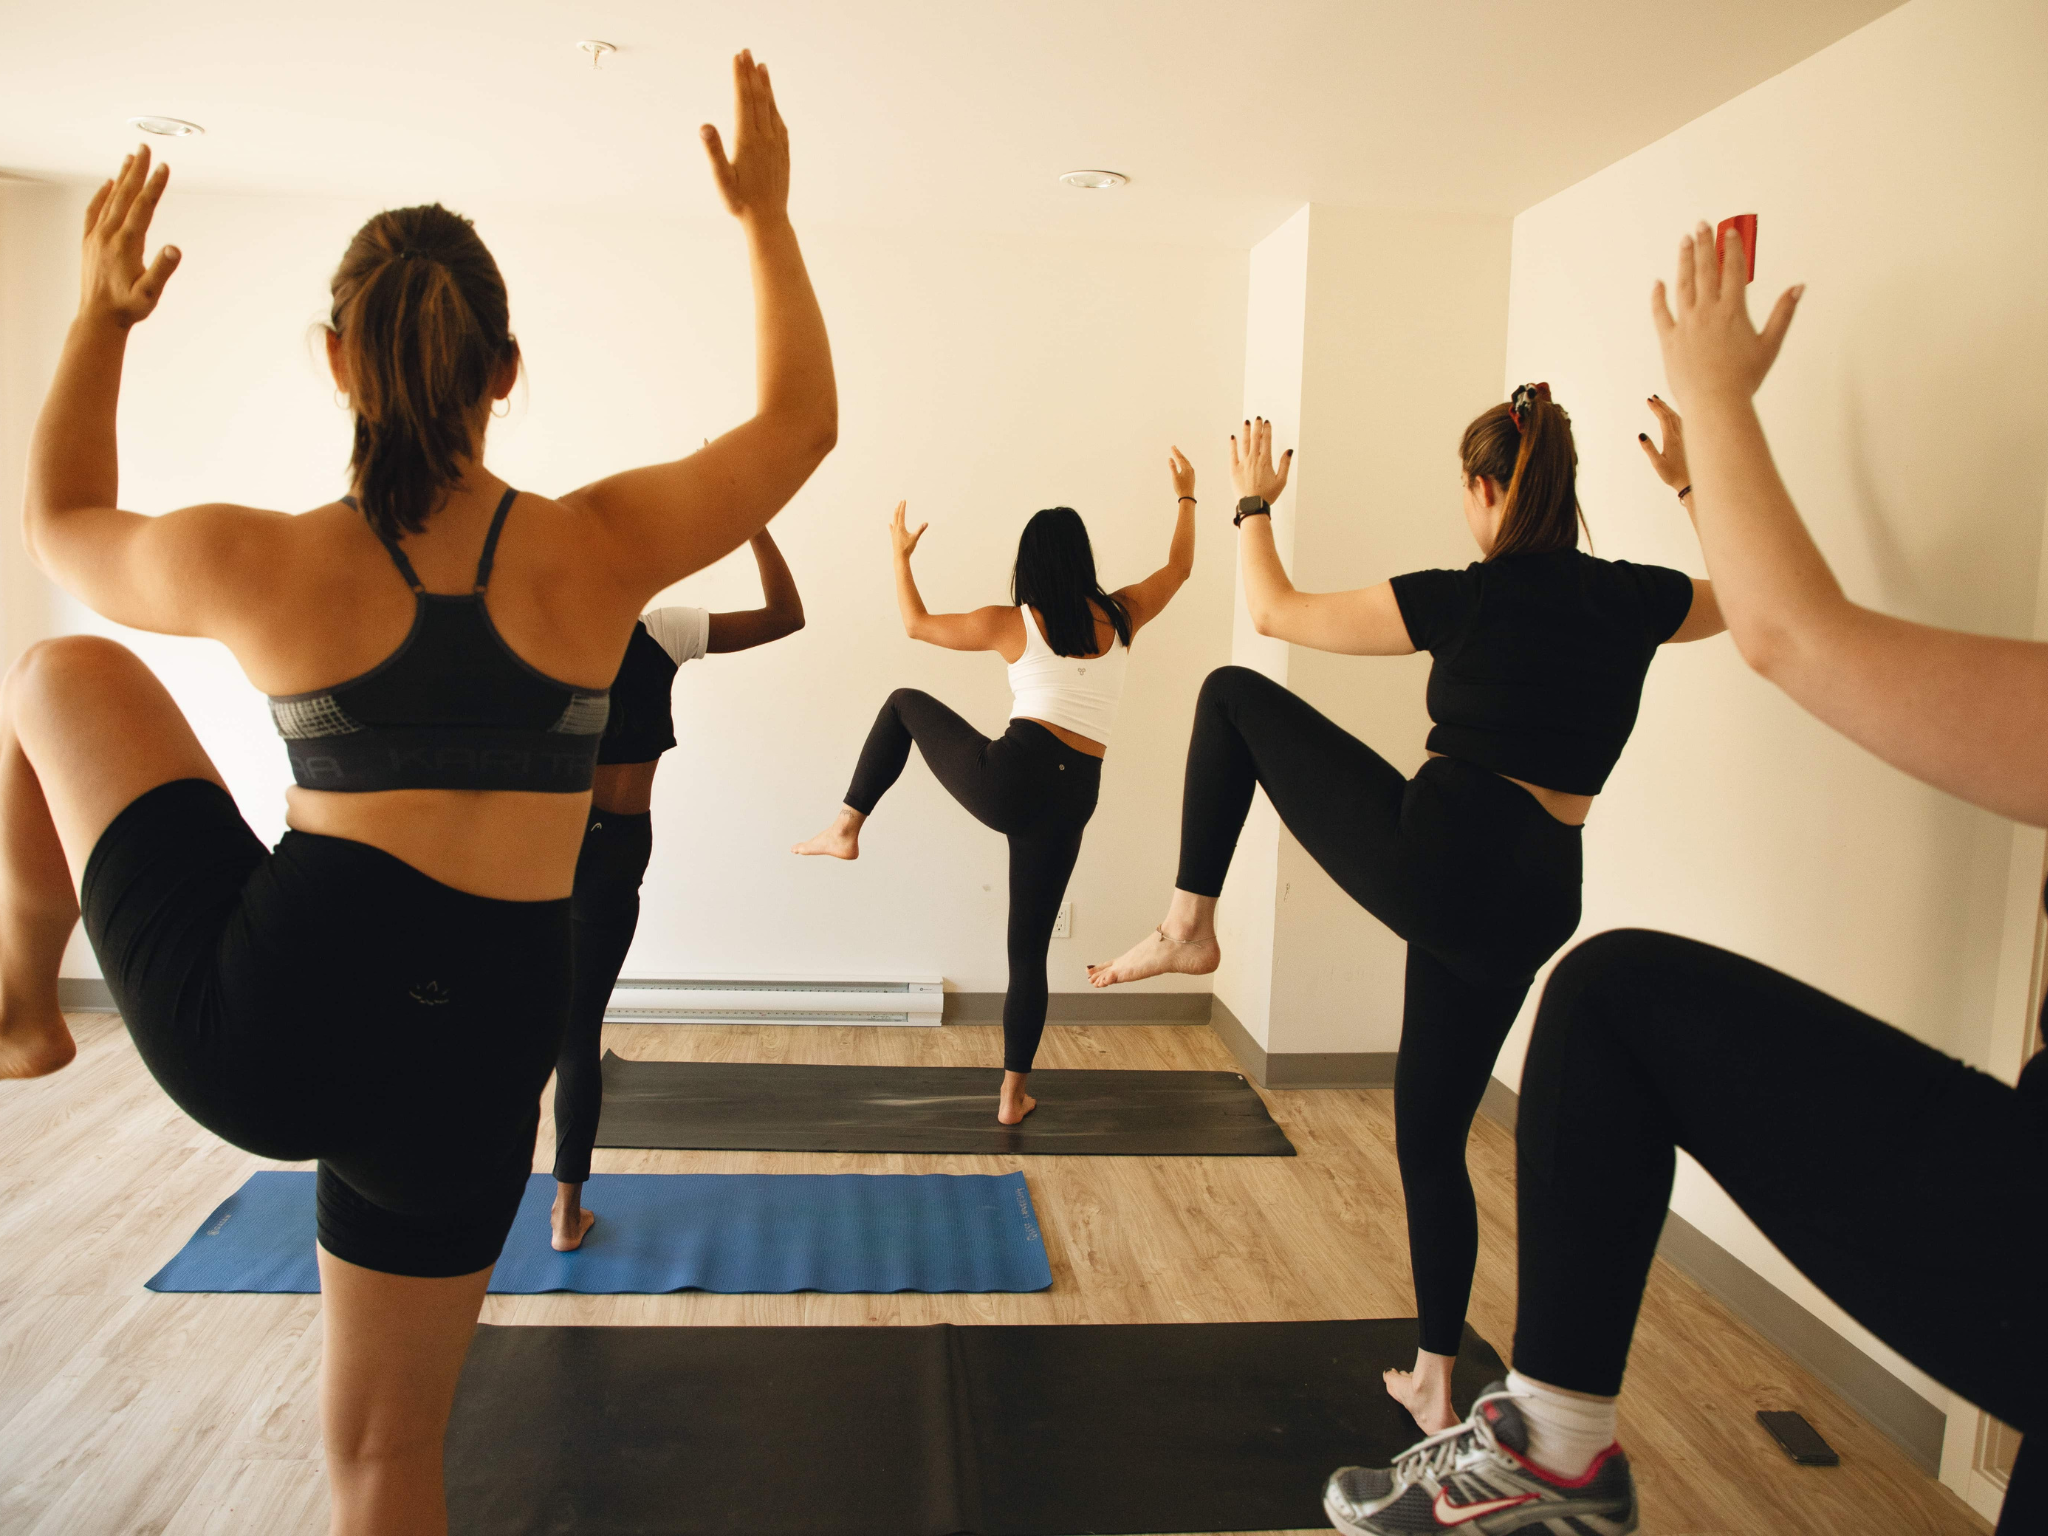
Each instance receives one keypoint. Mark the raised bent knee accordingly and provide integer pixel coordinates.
(1621, 956)
(1226, 685)
(1611, 977)
(67, 663)
(902, 696)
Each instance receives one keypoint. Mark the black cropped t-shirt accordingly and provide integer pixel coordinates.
(1540, 659)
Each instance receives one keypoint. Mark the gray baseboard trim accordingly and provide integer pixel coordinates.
(84, 994)
(1299, 1069)
(1087, 1008)
(1915, 1425)
(1911, 1422)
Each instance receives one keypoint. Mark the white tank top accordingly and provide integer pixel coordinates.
(1079, 693)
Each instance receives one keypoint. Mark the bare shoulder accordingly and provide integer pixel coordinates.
(1006, 630)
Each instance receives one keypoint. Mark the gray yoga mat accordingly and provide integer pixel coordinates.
(777, 1107)
(933, 1431)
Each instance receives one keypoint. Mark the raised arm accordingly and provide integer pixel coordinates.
(1965, 713)
(660, 523)
(1146, 600)
(160, 573)
(781, 613)
(985, 629)
(1703, 619)
(1364, 622)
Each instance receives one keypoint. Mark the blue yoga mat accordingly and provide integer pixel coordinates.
(729, 1232)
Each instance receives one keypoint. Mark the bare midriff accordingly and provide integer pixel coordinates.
(508, 845)
(624, 789)
(1073, 739)
(1572, 810)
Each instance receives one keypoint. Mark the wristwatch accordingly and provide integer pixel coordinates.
(1251, 506)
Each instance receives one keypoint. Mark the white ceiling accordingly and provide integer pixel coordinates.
(959, 115)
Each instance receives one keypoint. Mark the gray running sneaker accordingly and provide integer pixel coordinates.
(1473, 1478)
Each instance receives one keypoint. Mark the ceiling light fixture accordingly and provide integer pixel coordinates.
(168, 127)
(1094, 181)
(597, 49)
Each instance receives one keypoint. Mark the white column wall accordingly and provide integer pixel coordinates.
(1372, 338)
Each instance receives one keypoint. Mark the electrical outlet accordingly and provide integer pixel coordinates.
(1063, 925)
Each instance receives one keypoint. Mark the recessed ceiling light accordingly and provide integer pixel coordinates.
(1094, 181)
(169, 127)
(597, 48)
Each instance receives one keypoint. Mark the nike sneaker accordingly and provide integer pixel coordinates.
(1475, 1478)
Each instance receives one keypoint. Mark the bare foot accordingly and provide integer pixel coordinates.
(572, 1223)
(841, 840)
(1015, 1106)
(1428, 1403)
(1157, 954)
(34, 1047)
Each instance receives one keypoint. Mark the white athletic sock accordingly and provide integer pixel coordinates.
(1565, 1431)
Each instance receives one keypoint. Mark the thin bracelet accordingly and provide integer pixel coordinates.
(1685, 493)
(1197, 503)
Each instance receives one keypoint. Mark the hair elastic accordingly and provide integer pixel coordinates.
(1523, 400)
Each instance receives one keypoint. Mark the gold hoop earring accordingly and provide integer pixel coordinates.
(340, 400)
(502, 415)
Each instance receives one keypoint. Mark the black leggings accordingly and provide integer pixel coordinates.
(1904, 1184)
(1026, 784)
(326, 1000)
(604, 911)
(1481, 881)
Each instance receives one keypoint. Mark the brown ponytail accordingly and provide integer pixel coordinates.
(1527, 447)
(421, 312)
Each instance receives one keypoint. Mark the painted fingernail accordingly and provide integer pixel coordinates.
(1642, 437)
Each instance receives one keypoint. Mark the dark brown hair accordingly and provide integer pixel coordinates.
(420, 308)
(1539, 465)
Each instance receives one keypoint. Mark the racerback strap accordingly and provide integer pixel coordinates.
(397, 555)
(483, 565)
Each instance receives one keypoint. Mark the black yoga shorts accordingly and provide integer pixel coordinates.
(326, 1000)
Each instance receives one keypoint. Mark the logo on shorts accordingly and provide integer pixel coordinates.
(430, 994)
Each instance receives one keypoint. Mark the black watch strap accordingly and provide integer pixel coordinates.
(1251, 506)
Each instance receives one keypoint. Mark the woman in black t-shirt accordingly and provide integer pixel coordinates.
(618, 840)
(1905, 1184)
(1540, 653)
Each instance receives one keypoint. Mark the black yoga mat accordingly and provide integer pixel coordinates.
(938, 1431)
(775, 1107)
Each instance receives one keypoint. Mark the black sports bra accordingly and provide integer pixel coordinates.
(452, 708)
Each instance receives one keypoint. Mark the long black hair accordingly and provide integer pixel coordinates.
(1056, 575)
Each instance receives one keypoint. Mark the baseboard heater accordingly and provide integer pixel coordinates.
(756, 999)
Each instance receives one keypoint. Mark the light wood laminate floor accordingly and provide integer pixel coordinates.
(126, 1412)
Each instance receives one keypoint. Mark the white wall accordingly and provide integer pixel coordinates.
(982, 379)
(1903, 175)
(35, 262)
(1372, 337)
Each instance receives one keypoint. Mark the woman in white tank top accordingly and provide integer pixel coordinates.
(1067, 642)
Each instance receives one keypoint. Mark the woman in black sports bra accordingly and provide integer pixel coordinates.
(386, 989)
